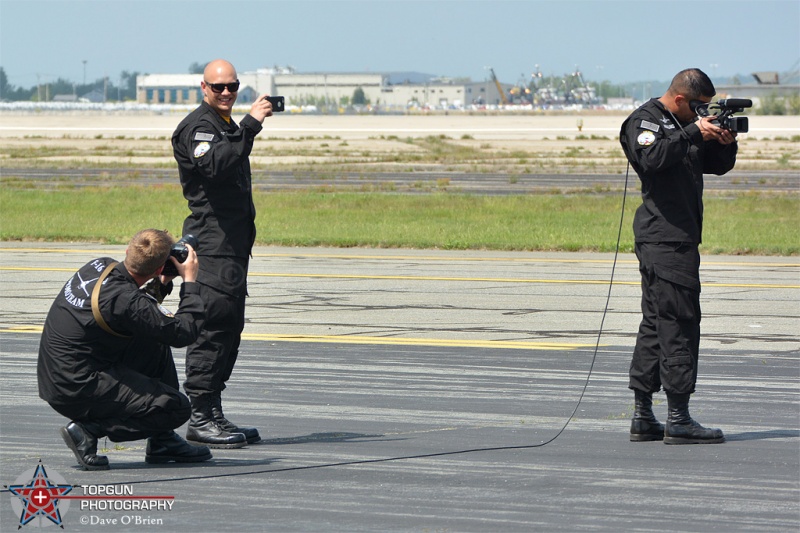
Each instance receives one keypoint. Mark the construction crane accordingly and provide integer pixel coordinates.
(576, 89)
(503, 97)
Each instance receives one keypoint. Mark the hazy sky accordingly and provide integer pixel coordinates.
(615, 40)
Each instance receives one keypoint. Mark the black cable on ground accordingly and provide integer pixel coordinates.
(441, 454)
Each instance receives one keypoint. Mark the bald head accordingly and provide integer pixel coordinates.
(218, 67)
(220, 86)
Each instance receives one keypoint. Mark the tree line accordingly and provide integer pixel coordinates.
(119, 90)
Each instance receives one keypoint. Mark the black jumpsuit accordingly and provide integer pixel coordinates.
(212, 157)
(670, 159)
(126, 386)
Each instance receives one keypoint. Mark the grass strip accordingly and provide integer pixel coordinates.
(740, 224)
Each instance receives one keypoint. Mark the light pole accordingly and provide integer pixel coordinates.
(84, 72)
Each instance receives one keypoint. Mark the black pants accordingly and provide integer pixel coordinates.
(668, 342)
(211, 358)
(136, 398)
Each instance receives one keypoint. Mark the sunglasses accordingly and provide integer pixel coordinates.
(219, 87)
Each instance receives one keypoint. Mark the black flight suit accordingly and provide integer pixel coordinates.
(212, 157)
(127, 387)
(670, 158)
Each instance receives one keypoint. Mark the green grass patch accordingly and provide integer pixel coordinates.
(98, 214)
(743, 224)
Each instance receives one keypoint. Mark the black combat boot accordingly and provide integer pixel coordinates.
(83, 442)
(169, 446)
(204, 430)
(682, 429)
(644, 426)
(251, 434)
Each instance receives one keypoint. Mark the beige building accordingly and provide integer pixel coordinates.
(185, 88)
(324, 89)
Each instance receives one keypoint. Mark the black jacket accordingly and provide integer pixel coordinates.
(670, 159)
(214, 168)
(74, 348)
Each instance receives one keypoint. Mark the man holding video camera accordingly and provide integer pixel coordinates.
(670, 148)
(212, 152)
(105, 360)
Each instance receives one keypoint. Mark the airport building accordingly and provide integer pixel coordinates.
(397, 90)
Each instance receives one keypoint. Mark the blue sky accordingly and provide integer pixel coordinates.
(616, 40)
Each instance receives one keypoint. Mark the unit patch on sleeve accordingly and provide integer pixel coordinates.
(646, 138)
(201, 149)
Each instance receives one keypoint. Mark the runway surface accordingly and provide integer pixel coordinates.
(402, 390)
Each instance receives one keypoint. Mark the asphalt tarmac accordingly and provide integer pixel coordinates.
(401, 390)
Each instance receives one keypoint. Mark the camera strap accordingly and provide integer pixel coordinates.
(96, 299)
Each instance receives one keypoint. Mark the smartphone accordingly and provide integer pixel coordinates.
(277, 103)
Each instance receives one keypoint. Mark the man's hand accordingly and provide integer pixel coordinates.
(261, 108)
(712, 132)
(188, 269)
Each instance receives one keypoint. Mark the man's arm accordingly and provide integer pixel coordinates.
(651, 148)
(144, 317)
(203, 149)
(184, 327)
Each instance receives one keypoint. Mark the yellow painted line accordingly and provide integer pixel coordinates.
(748, 285)
(385, 257)
(508, 259)
(388, 341)
(409, 341)
(508, 280)
(22, 329)
(447, 278)
(436, 278)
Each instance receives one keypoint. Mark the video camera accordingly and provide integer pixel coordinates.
(722, 111)
(180, 252)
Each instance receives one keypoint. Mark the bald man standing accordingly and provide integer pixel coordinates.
(212, 152)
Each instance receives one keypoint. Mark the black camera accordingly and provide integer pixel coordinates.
(180, 252)
(723, 111)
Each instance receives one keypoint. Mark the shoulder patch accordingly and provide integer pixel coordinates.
(646, 138)
(200, 136)
(201, 149)
(649, 126)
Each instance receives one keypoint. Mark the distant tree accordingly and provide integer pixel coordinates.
(359, 98)
(793, 103)
(197, 68)
(771, 104)
(5, 88)
(12, 93)
(127, 82)
(606, 89)
(60, 86)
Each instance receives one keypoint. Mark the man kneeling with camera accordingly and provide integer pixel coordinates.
(105, 360)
